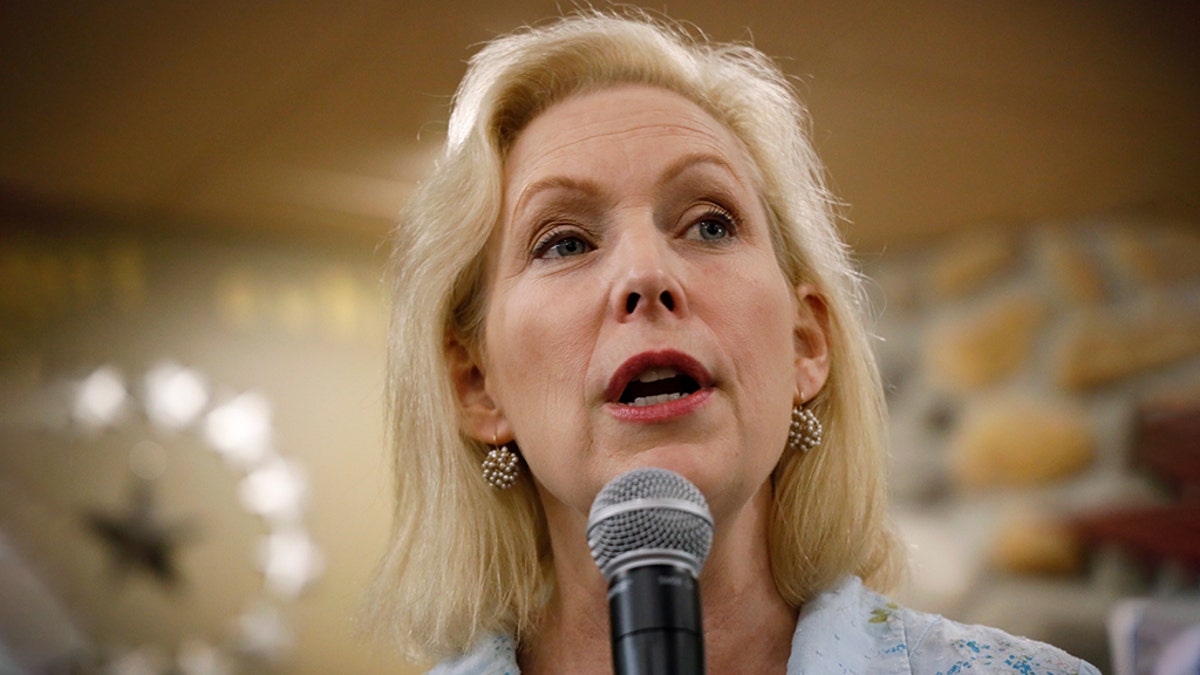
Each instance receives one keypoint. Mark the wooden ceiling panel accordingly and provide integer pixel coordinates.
(322, 114)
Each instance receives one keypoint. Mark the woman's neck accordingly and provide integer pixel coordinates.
(747, 625)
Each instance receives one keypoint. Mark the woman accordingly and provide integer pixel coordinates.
(626, 257)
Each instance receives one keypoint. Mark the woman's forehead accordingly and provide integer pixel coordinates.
(577, 135)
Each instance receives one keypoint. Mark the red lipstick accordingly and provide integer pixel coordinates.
(657, 386)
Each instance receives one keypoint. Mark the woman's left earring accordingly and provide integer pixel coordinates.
(805, 431)
(501, 467)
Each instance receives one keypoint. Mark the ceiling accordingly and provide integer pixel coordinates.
(310, 117)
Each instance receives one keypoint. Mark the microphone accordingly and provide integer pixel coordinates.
(649, 531)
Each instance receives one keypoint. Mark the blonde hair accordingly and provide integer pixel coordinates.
(465, 559)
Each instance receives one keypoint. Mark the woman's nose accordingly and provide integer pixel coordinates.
(648, 281)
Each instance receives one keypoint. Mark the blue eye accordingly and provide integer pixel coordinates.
(712, 229)
(716, 225)
(555, 246)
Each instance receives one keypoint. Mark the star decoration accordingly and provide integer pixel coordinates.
(137, 539)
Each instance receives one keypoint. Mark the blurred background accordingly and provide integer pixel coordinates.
(194, 199)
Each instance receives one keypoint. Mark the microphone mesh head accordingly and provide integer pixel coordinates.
(645, 512)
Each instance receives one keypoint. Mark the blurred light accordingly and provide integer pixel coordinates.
(147, 660)
(290, 561)
(174, 396)
(237, 302)
(100, 398)
(241, 429)
(340, 304)
(263, 633)
(276, 491)
(197, 657)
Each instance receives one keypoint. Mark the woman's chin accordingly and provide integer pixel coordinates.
(713, 478)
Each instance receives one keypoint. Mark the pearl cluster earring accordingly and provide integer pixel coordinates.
(501, 467)
(805, 431)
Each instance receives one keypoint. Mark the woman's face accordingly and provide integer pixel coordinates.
(637, 315)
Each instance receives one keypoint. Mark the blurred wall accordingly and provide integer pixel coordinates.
(1044, 387)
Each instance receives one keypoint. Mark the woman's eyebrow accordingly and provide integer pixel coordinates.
(697, 159)
(588, 187)
(564, 183)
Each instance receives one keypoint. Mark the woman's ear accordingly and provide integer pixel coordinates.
(812, 341)
(479, 414)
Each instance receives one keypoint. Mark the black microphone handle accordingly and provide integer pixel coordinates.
(654, 613)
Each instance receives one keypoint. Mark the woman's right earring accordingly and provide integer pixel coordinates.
(805, 431)
(501, 467)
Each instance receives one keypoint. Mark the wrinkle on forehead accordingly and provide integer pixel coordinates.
(534, 148)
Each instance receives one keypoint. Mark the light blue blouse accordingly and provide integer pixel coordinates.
(854, 631)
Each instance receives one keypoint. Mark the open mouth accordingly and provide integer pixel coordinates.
(658, 385)
(653, 378)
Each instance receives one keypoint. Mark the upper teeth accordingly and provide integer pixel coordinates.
(656, 374)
